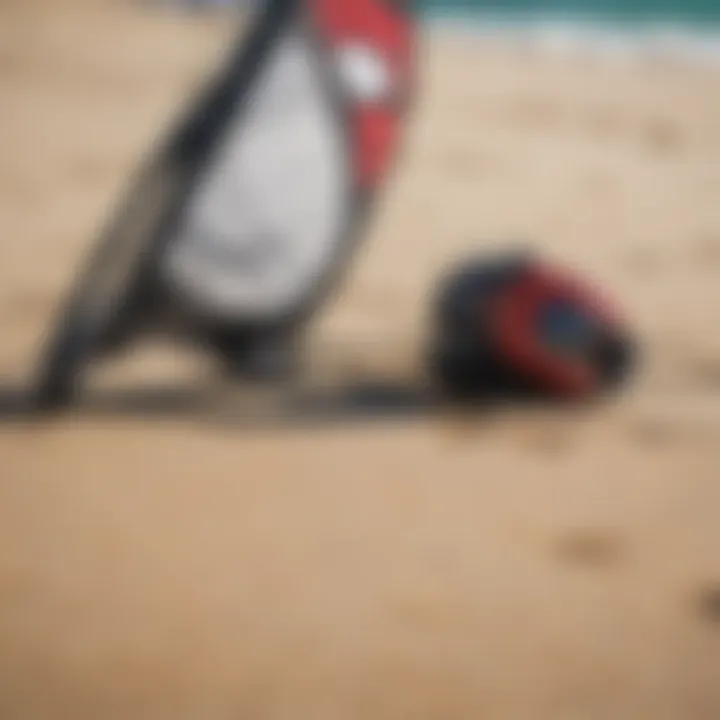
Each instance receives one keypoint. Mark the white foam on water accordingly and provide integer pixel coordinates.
(590, 37)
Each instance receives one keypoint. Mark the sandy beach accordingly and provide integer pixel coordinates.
(521, 566)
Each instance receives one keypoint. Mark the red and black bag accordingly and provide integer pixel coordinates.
(516, 324)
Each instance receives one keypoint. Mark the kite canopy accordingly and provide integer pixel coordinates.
(248, 213)
(275, 206)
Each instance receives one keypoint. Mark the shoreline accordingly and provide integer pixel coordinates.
(585, 37)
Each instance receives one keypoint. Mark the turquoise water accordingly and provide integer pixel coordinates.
(676, 12)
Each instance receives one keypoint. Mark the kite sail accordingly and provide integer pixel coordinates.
(274, 207)
(249, 212)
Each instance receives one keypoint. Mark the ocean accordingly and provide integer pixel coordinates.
(686, 29)
(683, 12)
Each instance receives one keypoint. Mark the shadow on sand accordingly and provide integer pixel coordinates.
(361, 402)
(228, 405)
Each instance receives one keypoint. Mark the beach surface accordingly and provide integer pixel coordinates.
(544, 566)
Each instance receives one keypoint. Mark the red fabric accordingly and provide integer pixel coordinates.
(377, 132)
(514, 325)
(390, 31)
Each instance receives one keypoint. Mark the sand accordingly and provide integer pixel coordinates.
(557, 566)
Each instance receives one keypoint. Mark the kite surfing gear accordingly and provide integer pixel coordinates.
(241, 226)
(514, 324)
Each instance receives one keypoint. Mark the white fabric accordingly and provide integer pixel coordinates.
(269, 213)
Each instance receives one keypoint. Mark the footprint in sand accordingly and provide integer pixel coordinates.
(663, 137)
(592, 549)
(706, 252)
(700, 371)
(655, 432)
(706, 372)
(708, 604)
(548, 440)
